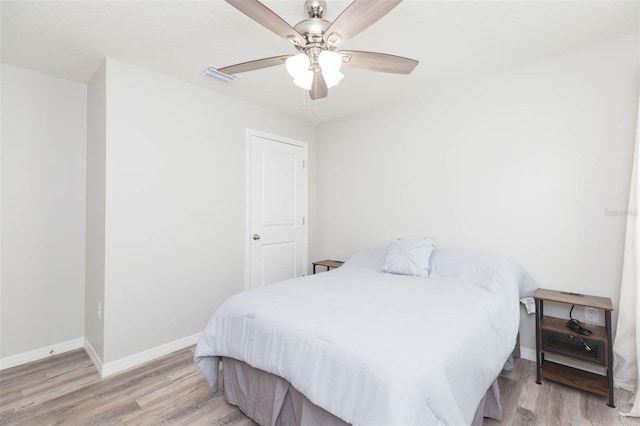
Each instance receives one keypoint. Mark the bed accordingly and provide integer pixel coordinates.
(361, 346)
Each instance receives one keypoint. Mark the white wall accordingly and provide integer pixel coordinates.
(524, 164)
(96, 187)
(43, 211)
(175, 204)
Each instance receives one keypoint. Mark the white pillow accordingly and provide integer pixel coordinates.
(409, 256)
(370, 258)
(476, 268)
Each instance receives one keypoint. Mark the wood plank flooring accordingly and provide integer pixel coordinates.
(551, 404)
(67, 390)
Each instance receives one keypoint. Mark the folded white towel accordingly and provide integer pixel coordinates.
(530, 304)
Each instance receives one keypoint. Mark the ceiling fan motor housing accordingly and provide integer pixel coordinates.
(315, 8)
(313, 28)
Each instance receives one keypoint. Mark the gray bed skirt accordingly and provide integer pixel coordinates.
(270, 400)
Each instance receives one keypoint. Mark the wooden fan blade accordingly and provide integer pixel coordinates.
(255, 65)
(375, 61)
(268, 19)
(318, 87)
(357, 17)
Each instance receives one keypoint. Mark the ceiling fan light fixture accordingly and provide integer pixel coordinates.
(330, 63)
(298, 68)
(305, 80)
(298, 65)
(332, 78)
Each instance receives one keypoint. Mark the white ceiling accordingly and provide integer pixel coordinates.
(453, 41)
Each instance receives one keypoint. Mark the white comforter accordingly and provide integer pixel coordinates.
(373, 348)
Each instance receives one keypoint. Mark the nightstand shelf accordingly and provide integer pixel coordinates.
(554, 338)
(574, 377)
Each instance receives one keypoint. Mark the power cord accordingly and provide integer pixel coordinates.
(574, 324)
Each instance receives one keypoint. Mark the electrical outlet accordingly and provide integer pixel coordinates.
(591, 315)
(99, 309)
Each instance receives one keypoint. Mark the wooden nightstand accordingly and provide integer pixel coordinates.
(554, 338)
(328, 264)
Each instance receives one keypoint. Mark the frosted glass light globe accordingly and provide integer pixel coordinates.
(330, 63)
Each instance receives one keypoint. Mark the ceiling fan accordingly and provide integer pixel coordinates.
(317, 65)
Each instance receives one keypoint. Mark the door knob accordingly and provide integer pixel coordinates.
(256, 236)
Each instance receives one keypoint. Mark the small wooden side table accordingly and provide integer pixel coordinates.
(554, 338)
(328, 264)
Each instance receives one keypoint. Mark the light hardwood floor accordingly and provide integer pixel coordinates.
(66, 389)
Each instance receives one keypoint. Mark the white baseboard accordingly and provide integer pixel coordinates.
(105, 369)
(93, 355)
(528, 353)
(113, 367)
(41, 353)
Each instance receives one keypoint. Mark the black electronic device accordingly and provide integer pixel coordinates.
(574, 324)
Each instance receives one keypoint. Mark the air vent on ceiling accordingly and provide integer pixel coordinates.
(213, 72)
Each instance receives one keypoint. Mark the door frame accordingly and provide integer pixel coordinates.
(305, 199)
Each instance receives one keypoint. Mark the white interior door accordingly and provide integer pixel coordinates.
(278, 192)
